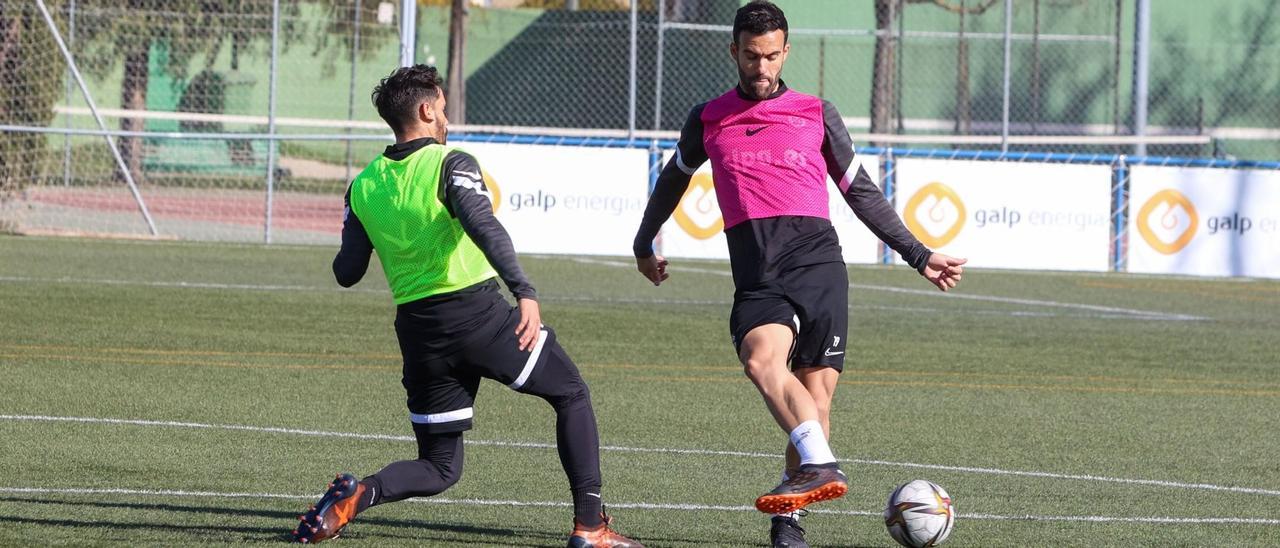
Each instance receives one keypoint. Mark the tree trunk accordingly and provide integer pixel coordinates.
(10, 60)
(882, 72)
(28, 97)
(10, 102)
(133, 96)
(456, 106)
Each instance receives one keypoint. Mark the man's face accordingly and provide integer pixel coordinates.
(441, 125)
(760, 58)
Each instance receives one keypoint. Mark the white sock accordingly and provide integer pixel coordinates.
(795, 515)
(811, 444)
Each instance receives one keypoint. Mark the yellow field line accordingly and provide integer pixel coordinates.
(734, 368)
(189, 363)
(980, 386)
(962, 374)
(592, 372)
(147, 351)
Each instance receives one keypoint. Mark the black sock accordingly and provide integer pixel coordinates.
(370, 496)
(587, 507)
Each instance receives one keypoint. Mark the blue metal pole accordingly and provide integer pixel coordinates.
(887, 176)
(1119, 214)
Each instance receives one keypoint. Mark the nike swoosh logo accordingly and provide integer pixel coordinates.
(830, 353)
(751, 132)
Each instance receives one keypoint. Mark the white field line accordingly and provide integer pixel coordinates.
(1132, 312)
(657, 450)
(627, 505)
(1120, 314)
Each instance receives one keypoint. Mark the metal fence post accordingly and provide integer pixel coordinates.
(351, 88)
(1008, 53)
(408, 31)
(66, 139)
(655, 167)
(657, 77)
(1119, 214)
(887, 175)
(1141, 72)
(271, 118)
(631, 110)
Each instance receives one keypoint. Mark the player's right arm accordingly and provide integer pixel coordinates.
(352, 260)
(874, 210)
(672, 183)
(470, 202)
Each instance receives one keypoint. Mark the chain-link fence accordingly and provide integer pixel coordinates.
(245, 119)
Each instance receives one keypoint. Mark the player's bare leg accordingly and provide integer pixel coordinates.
(820, 381)
(764, 352)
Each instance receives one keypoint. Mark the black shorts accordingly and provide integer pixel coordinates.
(812, 300)
(441, 384)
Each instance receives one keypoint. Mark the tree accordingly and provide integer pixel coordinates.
(882, 68)
(124, 35)
(456, 107)
(27, 95)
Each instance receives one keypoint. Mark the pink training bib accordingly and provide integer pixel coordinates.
(766, 156)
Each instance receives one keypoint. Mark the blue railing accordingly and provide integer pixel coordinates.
(888, 156)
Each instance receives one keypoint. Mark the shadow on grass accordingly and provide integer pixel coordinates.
(511, 536)
(416, 531)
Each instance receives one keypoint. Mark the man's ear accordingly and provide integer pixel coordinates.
(733, 51)
(426, 114)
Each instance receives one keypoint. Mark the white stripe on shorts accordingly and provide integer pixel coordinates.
(448, 416)
(531, 362)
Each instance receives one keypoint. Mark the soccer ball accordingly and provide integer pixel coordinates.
(919, 514)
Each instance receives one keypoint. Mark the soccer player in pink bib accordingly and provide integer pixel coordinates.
(771, 149)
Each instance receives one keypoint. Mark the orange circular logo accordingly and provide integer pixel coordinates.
(935, 214)
(1167, 221)
(492, 185)
(698, 212)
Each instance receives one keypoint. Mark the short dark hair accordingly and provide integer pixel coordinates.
(759, 17)
(397, 96)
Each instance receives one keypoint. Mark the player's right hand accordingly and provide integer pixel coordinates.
(944, 271)
(654, 267)
(530, 324)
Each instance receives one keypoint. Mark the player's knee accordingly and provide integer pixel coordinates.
(450, 472)
(577, 395)
(758, 367)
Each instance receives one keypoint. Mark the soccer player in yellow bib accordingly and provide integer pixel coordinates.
(423, 206)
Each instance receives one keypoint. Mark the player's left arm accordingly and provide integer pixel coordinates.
(469, 200)
(352, 260)
(874, 210)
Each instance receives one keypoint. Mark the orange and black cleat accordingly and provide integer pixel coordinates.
(332, 512)
(812, 483)
(600, 536)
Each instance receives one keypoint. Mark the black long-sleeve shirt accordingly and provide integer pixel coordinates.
(761, 248)
(465, 196)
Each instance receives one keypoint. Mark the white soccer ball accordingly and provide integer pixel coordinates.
(919, 514)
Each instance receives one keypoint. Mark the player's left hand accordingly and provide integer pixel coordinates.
(944, 270)
(530, 323)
